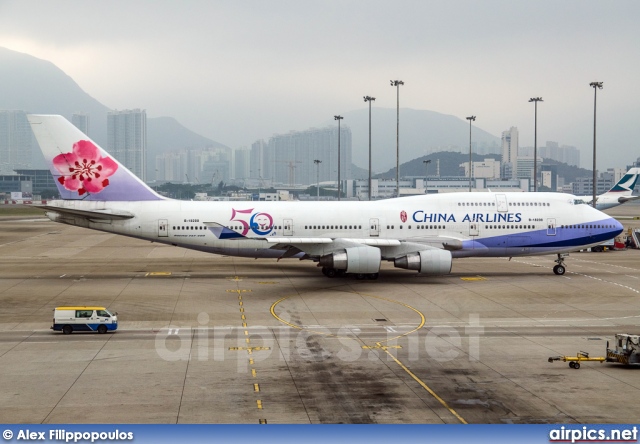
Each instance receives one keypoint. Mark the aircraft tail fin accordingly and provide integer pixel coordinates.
(82, 170)
(627, 183)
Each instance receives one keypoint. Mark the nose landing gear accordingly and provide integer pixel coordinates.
(560, 269)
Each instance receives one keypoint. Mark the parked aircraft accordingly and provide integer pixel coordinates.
(620, 193)
(421, 233)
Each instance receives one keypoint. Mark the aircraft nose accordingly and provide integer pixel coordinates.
(619, 227)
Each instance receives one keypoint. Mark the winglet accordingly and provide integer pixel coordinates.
(222, 232)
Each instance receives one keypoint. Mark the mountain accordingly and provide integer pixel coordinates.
(38, 86)
(421, 132)
(165, 134)
(450, 166)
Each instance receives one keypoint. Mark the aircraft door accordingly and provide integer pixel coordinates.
(287, 227)
(501, 203)
(473, 229)
(163, 228)
(551, 227)
(374, 227)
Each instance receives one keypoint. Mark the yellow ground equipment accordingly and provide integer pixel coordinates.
(574, 361)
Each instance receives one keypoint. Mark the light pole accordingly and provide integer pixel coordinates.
(397, 84)
(426, 175)
(596, 86)
(535, 100)
(369, 99)
(470, 119)
(317, 162)
(338, 118)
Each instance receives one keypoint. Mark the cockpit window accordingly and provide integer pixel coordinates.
(579, 202)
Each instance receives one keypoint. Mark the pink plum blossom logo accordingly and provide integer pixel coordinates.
(84, 170)
(403, 216)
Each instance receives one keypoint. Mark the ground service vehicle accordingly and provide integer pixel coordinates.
(70, 319)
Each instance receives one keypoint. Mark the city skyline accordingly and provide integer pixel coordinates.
(265, 69)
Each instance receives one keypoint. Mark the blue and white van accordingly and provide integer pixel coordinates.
(70, 319)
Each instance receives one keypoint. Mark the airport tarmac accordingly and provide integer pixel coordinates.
(212, 339)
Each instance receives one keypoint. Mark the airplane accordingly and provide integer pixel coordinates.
(620, 193)
(420, 233)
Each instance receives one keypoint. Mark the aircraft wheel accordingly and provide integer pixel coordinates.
(331, 272)
(572, 364)
(67, 329)
(360, 276)
(372, 276)
(559, 270)
(102, 329)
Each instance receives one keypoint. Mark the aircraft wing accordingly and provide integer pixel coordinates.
(89, 214)
(389, 248)
(321, 246)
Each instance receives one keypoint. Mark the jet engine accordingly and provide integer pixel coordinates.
(432, 261)
(354, 260)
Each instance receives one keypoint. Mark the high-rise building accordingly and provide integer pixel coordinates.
(241, 163)
(16, 141)
(510, 153)
(259, 161)
(81, 121)
(293, 155)
(127, 139)
(565, 153)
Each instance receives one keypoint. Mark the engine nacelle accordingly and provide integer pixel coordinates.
(426, 262)
(354, 260)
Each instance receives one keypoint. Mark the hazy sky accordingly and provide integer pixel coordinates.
(236, 71)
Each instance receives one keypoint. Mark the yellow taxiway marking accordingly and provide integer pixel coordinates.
(158, 273)
(268, 282)
(253, 372)
(427, 388)
(240, 303)
(247, 340)
(422, 318)
(259, 404)
(235, 278)
(256, 387)
(263, 421)
(473, 278)
(378, 345)
(238, 291)
(244, 317)
(244, 324)
(246, 332)
(249, 348)
(251, 361)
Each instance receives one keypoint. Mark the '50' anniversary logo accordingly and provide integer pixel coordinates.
(259, 223)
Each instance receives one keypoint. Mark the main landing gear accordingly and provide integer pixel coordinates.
(560, 269)
(333, 272)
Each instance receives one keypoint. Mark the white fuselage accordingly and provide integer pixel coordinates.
(467, 224)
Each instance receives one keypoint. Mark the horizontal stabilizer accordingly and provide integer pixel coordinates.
(623, 199)
(91, 214)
